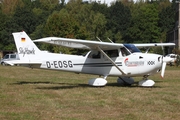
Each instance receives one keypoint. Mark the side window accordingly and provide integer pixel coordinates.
(173, 56)
(13, 56)
(95, 55)
(124, 51)
(112, 53)
(6, 56)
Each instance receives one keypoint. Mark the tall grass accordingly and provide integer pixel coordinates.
(33, 94)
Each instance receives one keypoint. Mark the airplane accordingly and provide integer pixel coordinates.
(124, 61)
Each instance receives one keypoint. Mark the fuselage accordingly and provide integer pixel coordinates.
(135, 64)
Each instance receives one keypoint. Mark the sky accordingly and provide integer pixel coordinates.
(108, 2)
(102, 1)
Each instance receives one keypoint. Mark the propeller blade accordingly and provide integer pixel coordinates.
(163, 69)
(165, 61)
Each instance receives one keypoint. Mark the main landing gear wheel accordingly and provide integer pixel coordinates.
(97, 82)
(125, 81)
(3, 64)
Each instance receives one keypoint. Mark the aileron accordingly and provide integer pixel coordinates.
(153, 44)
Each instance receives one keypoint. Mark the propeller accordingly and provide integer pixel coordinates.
(163, 69)
(164, 62)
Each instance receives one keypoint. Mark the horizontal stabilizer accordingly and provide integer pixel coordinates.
(16, 62)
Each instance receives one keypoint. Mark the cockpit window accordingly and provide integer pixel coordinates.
(94, 55)
(112, 53)
(131, 48)
(124, 52)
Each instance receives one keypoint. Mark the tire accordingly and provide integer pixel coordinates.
(3, 64)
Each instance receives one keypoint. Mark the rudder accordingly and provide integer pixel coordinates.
(25, 46)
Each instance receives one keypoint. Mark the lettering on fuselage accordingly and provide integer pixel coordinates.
(133, 63)
(26, 51)
(59, 64)
(151, 63)
(63, 43)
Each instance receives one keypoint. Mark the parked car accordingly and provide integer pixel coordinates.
(9, 57)
(173, 56)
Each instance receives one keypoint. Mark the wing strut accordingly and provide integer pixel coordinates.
(111, 60)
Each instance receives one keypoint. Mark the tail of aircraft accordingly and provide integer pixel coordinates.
(26, 49)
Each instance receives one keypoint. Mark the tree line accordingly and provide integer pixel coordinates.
(123, 21)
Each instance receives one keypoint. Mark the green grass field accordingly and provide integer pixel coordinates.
(34, 94)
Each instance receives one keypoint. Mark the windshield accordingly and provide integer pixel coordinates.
(6, 56)
(131, 48)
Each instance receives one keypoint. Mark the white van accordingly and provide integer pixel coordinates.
(173, 57)
(9, 57)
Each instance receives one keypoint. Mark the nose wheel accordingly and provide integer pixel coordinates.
(145, 82)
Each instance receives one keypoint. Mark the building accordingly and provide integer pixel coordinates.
(174, 35)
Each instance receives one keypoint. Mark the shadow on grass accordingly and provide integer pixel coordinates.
(38, 82)
(60, 85)
(135, 85)
(57, 86)
(66, 86)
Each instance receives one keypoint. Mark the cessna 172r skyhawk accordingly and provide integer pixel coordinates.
(104, 59)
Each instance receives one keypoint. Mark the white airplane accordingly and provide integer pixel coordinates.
(104, 59)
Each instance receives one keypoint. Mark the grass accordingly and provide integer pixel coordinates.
(34, 94)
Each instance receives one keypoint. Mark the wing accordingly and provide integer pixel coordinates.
(80, 44)
(153, 44)
(88, 44)
(84, 44)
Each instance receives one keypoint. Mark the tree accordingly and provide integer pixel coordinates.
(118, 19)
(8, 6)
(92, 23)
(25, 18)
(3, 19)
(122, 22)
(101, 8)
(61, 24)
(166, 21)
(42, 10)
(144, 25)
(48, 5)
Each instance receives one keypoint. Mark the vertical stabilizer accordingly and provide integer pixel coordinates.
(26, 48)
